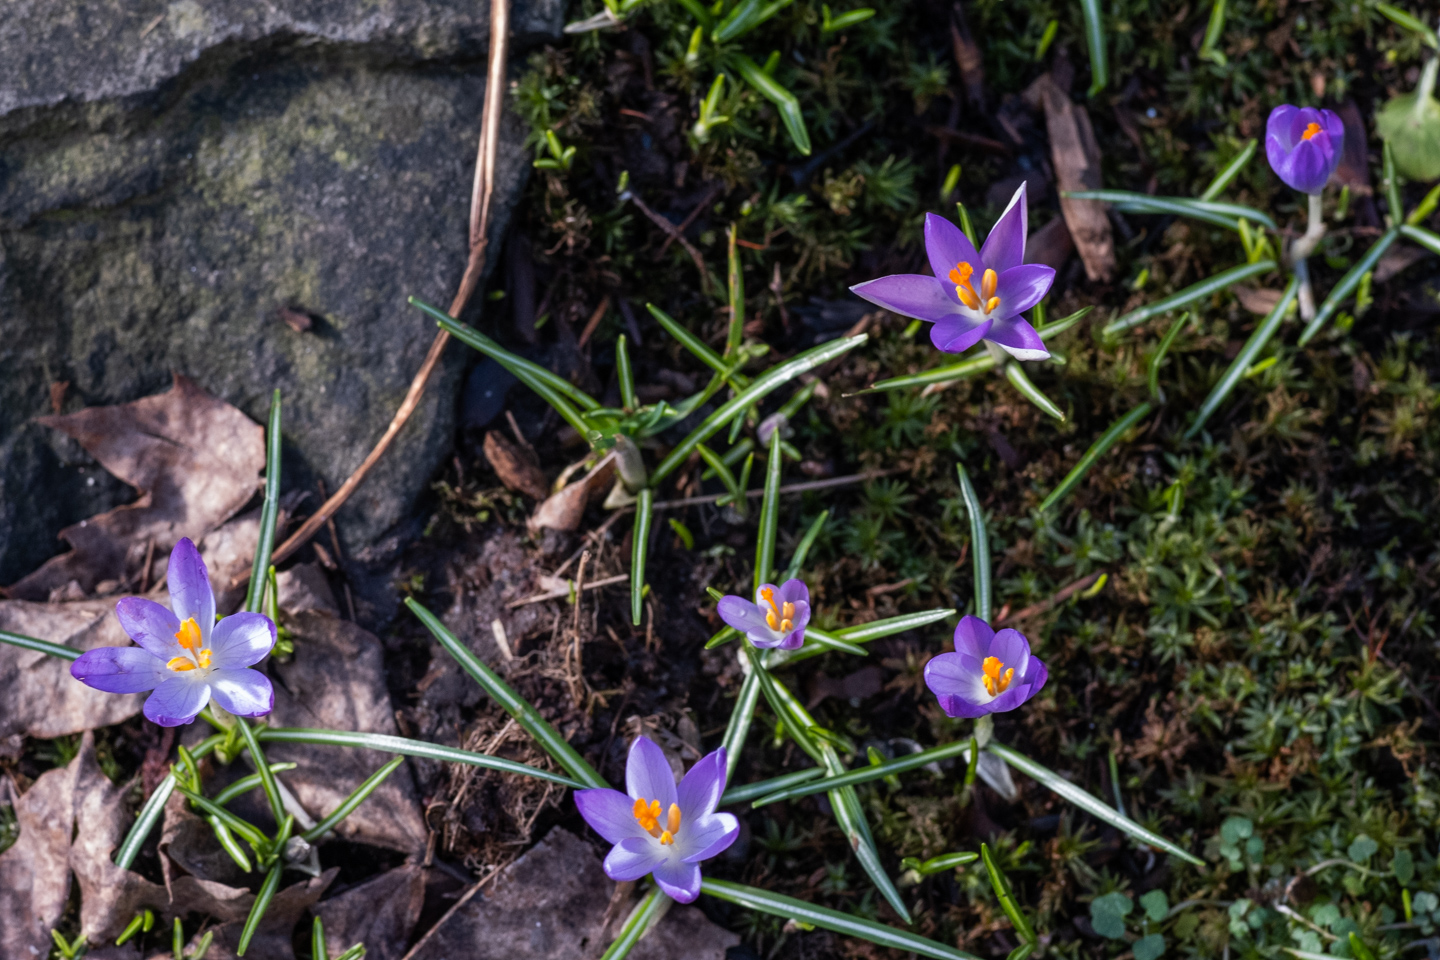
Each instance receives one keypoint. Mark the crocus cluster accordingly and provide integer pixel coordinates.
(658, 828)
(1303, 145)
(973, 295)
(185, 656)
(989, 672)
(777, 618)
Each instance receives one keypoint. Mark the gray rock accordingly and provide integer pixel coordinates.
(176, 174)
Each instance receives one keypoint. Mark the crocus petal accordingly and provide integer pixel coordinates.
(793, 640)
(610, 813)
(910, 295)
(150, 625)
(178, 700)
(1036, 676)
(240, 640)
(245, 693)
(1020, 288)
(793, 591)
(1012, 649)
(648, 775)
(1334, 128)
(1307, 167)
(120, 669)
(958, 333)
(709, 837)
(1011, 698)
(1004, 249)
(741, 614)
(955, 675)
(700, 788)
(1017, 338)
(1281, 126)
(973, 636)
(633, 858)
(946, 245)
(189, 582)
(679, 880)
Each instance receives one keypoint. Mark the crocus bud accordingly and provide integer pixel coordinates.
(1303, 145)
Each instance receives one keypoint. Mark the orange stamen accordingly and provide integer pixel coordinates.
(1310, 131)
(180, 663)
(773, 616)
(995, 683)
(648, 816)
(988, 283)
(189, 636)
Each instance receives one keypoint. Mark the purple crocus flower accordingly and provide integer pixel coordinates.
(1303, 145)
(185, 656)
(989, 672)
(777, 618)
(973, 296)
(658, 828)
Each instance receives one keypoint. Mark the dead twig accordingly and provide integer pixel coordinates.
(481, 197)
(705, 201)
(790, 488)
(675, 235)
(1059, 597)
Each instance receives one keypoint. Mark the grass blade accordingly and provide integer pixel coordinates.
(831, 642)
(624, 373)
(385, 743)
(864, 633)
(639, 549)
(1214, 30)
(771, 379)
(1006, 895)
(1347, 285)
(738, 728)
(151, 812)
(1189, 295)
(1021, 382)
(797, 560)
(248, 783)
(257, 910)
(357, 797)
(515, 364)
(39, 646)
(762, 788)
(721, 469)
(1095, 40)
(1227, 215)
(769, 513)
(527, 716)
(249, 831)
(269, 510)
(318, 950)
(1426, 238)
(1232, 170)
(1092, 805)
(1097, 450)
(1152, 372)
(262, 769)
(698, 347)
(1392, 186)
(979, 544)
(735, 285)
(645, 915)
(797, 725)
(1245, 358)
(779, 905)
(865, 774)
(784, 100)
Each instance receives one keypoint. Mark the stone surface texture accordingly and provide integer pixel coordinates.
(174, 174)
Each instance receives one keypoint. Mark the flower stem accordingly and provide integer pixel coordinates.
(1301, 249)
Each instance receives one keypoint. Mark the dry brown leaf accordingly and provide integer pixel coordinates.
(1050, 245)
(34, 872)
(1076, 156)
(41, 698)
(381, 912)
(1396, 260)
(194, 458)
(336, 680)
(564, 510)
(516, 470)
(273, 937)
(1259, 302)
(551, 904)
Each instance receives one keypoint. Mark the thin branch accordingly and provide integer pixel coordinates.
(1060, 596)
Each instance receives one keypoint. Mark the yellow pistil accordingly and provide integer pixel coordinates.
(781, 618)
(965, 290)
(647, 814)
(1310, 131)
(189, 638)
(994, 682)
